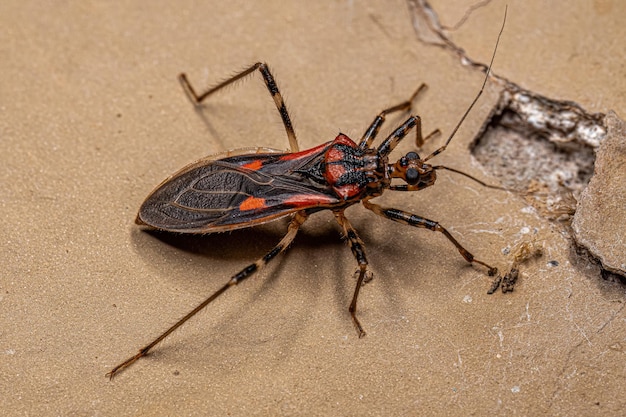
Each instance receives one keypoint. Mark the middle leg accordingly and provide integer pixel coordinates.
(358, 250)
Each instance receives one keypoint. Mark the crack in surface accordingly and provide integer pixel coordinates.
(542, 147)
(430, 31)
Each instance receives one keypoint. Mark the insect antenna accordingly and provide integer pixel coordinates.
(482, 88)
(484, 184)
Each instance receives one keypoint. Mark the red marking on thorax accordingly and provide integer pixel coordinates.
(348, 191)
(344, 140)
(334, 159)
(336, 167)
(252, 203)
(334, 172)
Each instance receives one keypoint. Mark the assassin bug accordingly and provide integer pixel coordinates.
(244, 190)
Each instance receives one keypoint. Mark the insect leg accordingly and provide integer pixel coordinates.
(397, 135)
(295, 224)
(270, 83)
(358, 250)
(372, 130)
(418, 221)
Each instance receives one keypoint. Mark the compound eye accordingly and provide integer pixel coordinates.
(413, 156)
(412, 176)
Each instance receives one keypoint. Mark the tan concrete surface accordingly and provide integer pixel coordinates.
(92, 118)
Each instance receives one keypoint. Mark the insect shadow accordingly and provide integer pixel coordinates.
(222, 248)
(233, 246)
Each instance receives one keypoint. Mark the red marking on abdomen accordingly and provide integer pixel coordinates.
(303, 154)
(254, 165)
(252, 203)
(308, 200)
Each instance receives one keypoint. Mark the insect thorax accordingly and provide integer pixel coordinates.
(352, 172)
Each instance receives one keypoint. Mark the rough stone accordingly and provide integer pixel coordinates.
(600, 220)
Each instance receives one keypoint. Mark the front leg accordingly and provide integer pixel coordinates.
(418, 221)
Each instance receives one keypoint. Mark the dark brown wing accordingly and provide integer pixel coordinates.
(216, 195)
